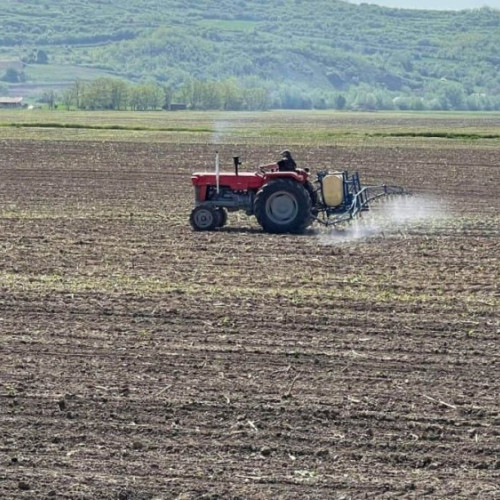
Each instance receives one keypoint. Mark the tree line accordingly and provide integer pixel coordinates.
(116, 94)
(255, 95)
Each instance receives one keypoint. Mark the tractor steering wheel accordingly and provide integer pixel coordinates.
(262, 169)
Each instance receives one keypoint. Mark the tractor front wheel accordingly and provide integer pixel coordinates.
(283, 206)
(204, 218)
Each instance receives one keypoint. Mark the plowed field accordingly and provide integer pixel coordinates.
(141, 360)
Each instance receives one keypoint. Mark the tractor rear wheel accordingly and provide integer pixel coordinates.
(283, 206)
(204, 218)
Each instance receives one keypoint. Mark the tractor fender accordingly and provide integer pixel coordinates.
(297, 176)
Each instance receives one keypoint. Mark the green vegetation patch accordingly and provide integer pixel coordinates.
(58, 73)
(440, 135)
(228, 25)
(106, 127)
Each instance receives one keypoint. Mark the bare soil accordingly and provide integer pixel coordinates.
(141, 360)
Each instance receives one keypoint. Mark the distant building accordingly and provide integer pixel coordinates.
(177, 106)
(11, 102)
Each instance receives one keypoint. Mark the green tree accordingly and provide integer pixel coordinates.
(211, 95)
(136, 99)
(364, 101)
(96, 95)
(169, 95)
(156, 96)
(73, 95)
(402, 102)
(49, 97)
(192, 93)
(256, 99)
(78, 89)
(12, 75)
(147, 97)
(103, 93)
(417, 104)
(68, 98)
(41, 57)
(232, 95)
(119, 94)
(294, 98)
(340, 102)
(454, 94)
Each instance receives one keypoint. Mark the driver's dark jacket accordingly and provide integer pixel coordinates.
(286, 165)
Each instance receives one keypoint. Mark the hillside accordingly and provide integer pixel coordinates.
(316, 48)
(434, 4)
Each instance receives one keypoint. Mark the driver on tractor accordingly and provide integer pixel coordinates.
(286, 164)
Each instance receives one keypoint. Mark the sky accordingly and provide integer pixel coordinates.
(434, 4)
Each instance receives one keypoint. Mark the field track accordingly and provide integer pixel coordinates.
(140, 360)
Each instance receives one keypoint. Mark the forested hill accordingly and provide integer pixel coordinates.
(316, 48)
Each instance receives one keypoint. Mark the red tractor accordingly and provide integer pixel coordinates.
(283, 201)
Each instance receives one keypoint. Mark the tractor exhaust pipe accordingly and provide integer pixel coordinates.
(237, 163)
(217, 171)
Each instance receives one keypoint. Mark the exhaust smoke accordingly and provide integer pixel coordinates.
(221, 129)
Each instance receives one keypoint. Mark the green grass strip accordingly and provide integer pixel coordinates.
(106, 127)
(441, 135)
(318, 134)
